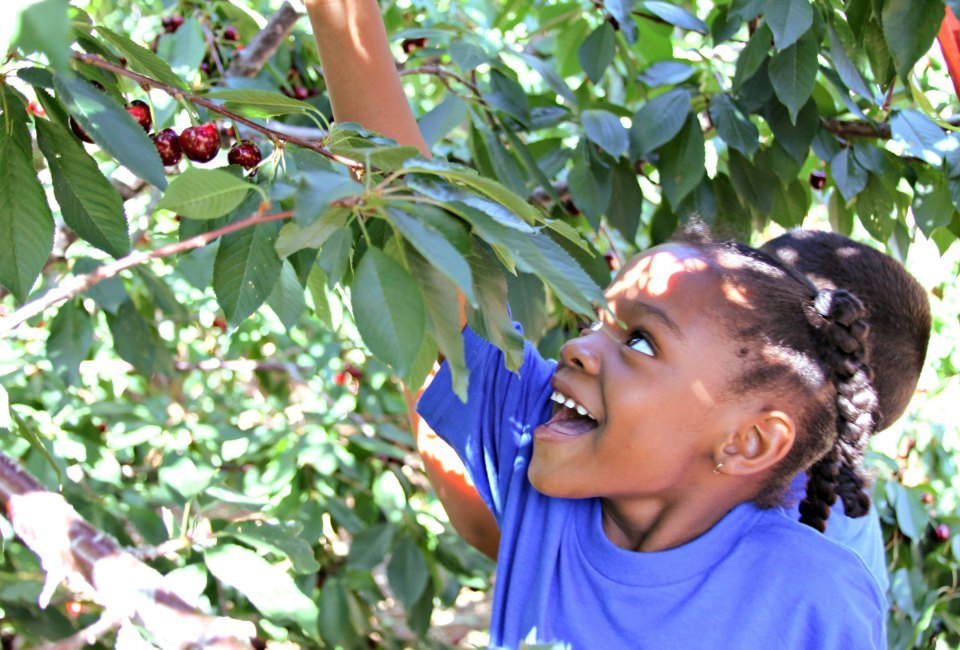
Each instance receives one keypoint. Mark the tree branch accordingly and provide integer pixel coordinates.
(72, 550)
(75, 286)
(262, 46)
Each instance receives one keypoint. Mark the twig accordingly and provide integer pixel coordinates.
(72, 550)
(179, 93)
(262, 46)
(77, 285)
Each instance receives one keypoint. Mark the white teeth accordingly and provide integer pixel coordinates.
(560, 398)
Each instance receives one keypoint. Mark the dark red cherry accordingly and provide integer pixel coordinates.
(141, 113)
(245, 153)
(200, 143)
(818, 179)
(168, 146)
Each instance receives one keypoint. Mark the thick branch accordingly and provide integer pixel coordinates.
(262, 46)
(71, 549)
(75, 286)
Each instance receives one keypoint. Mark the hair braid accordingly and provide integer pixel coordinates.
(839, 316)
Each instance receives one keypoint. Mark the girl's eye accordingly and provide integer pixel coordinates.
(641, 343)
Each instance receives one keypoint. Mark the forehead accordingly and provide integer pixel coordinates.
(663, 273)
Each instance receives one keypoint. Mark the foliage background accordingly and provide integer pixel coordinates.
(220, 409)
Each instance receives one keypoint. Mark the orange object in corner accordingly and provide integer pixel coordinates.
(949, 37)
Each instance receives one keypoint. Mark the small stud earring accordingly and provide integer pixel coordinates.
(716, 469)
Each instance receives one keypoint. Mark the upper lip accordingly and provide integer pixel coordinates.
(562, 395)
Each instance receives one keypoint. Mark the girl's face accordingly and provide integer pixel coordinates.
(649, 410)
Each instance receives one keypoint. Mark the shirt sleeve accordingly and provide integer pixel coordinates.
(497, 420)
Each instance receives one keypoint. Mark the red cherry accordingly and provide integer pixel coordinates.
(340, 378)
(102, 428)
(168, 146)
(74, 609)
(200, 143)
(78, 130)
(353, 371)
(220, 324)
(230, 33)
(941, 533)
(927, 498)
(299, 92)
(171, 23)
(818, 179)
(612, 262)
(409, 45)
(245, 153)
(141, 113)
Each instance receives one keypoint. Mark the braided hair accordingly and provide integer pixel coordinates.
(809, 344)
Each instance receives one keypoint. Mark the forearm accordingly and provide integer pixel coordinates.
(359, 70)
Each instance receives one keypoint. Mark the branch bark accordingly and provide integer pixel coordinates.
(72, 550)
(262, 46)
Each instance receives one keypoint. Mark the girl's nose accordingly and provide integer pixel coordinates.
(584, 351)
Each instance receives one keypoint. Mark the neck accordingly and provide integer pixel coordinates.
(648, 527)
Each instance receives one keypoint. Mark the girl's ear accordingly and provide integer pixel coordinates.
(759, 445)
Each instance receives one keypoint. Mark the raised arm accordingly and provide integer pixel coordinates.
(359, 70)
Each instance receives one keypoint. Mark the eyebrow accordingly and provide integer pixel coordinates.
(652, 310)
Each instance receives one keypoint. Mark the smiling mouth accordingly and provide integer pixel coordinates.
(570, 418)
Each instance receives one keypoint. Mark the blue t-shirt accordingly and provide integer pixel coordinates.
(757, 579)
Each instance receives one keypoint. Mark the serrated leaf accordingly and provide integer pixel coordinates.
(388, 309)
(658, 121)
(204, 193)
(675, 15)
(733, 126)
(597, 51)
(111, 127)
(433, 245)
(909, 28)
(294, 237)
(752, 56)
(845, 67)
(132, 338)
(246, 270)
(70, 340)
(287, 300)
(26, 223)
(90, 204)
(265, 585)
(283, 538)
(788, 20)
(142, 60)
(682, 161)
(794, 135)
(793, 73)
(491, 320)
(604, 129)
(259, 103)
(408, 571)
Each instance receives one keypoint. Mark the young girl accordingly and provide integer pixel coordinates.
(637, 512)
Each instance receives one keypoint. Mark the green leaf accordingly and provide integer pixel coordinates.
(921, 135)
(259, 103)
(440, 299)
(90, 204)
(666, 73)
(528, 304)
(622, 11)
(181, 473)
(111, 127)
(840, 215)
(790, 204)
(733, 126)
(682, 161)
(70, 341)
(43, 26)
(932, 204)
(370, 546)
(287, 300)
(132, 338)
(793, 72)
(849, 177)
(26, 224)
(626, 199)
(442, 119)
(877, 208)
(246, 270)
(318, 189)
(204, 193)
(467, 55)
(911, 514)
(265, 585)
(294, 237)
(658, 121)
(29, 432)
(491, 320)
(284, 538)
(752, 56)
(753, 184)
(590, 186)
(604, 129)
(597, 51)
(142, 60)
(433, 244)
(675, 15)
(388, 309)
(334, 615)
(788, 20)
(186, 48)
(909, 27)
(795, 136)
(408, 571)
(845, 67)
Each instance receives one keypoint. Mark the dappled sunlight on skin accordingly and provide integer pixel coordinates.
(654, 275)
